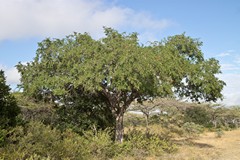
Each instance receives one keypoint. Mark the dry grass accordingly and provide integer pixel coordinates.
(205, 147)
(209, 147)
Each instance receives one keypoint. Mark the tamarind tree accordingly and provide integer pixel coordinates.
(122, 70)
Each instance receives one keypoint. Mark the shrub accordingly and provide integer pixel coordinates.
(198, 115)
(3, 134)
(36, 138)
(192, 130)
(219, 133)
(38, 141)
(141, 145)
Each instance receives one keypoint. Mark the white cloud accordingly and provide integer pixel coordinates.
(232, 99)
(224, 54)
(229, 52)
(28, 18)
(145, 20)
(230, 61)
(11, 74)
(229, 67)
(231, 92)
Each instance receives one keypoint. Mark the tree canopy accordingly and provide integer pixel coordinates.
(121, 70)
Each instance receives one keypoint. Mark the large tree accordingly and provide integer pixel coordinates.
(122, 70)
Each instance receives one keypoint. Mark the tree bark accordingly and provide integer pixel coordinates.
(119, 130)
(118, 102)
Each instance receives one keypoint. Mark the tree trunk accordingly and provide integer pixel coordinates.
(119, 130)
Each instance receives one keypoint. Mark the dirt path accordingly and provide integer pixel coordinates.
(208, 147)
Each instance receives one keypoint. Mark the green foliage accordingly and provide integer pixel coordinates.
(213, 117)
(3, 136)
(44, 114)
(28, 102)
(172, 116)
(8, 106)
(229, 117)
(79, 115)
(118, 63)
(192, 130)
(142, 145)
(198, 115)
(121, 70)
(38, 141)
(84, 112)
(193, 76)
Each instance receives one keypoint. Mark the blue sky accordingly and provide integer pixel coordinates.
(216, 23)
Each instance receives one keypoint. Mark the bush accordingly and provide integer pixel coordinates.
(3, 134)
(38, 141)
(219, 133)
(192, 130)
(141, 145)
(36, 138)
(198, 115)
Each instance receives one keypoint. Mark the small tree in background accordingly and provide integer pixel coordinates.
(146, 108)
